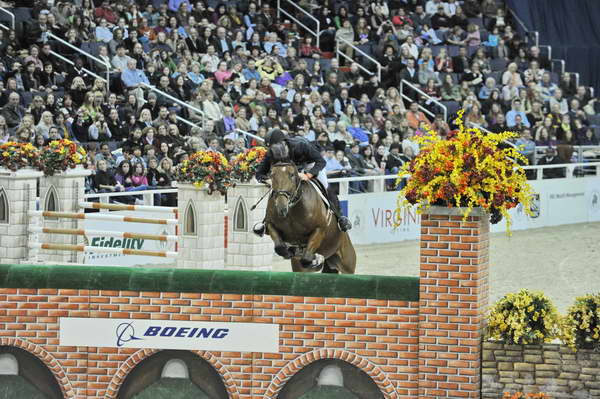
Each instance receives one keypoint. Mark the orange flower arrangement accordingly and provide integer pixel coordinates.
(244, 164)
(60, 155)
(468, 169)
(206, 168)
(521, 395)
(15, 156)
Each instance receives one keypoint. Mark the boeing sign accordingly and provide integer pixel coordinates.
(165, 334)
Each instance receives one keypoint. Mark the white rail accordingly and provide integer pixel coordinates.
(316, 34)
(339, 52)
(68, 61)
(88, 55)
(176, 100)
(148, 195)
(108, 250)
(404, 82)
(245, 133)
(12, 17)
(103, 233)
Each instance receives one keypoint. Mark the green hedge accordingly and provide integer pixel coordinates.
(210, 281)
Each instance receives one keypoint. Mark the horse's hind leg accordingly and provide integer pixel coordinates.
(346, 255)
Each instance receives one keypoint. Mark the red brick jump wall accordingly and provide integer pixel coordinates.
(378, 336)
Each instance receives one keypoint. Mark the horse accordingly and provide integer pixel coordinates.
(301, 226)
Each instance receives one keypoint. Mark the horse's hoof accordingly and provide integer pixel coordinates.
(283, 251)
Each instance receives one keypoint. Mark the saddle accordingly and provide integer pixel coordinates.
(318, 186)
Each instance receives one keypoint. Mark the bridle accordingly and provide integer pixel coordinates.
(292, 197)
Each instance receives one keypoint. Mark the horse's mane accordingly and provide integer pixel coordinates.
(280, 152)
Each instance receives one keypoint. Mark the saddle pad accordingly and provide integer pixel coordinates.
(320, 190)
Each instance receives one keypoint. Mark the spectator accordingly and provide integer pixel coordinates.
(515, 111)
(551, 158)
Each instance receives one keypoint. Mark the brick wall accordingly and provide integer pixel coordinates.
(550, 368)
(378, 336)
(413, 337)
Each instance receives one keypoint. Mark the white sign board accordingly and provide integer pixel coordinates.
(104, 259)
(374, 216)
(164, 334)
(557, 202)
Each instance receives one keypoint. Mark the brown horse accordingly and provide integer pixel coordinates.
(301, 226)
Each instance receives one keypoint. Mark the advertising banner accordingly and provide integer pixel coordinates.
(103, 259)
(556, 202)
(166, 334)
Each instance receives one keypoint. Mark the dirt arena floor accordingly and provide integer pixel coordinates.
(563, 262)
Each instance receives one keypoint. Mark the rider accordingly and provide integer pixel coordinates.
(310, 164)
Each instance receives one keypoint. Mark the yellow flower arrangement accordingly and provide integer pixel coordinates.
(206, 168)
(523, 318)
(581, 326)
(245, 163)
(60, 155)
(468, 169)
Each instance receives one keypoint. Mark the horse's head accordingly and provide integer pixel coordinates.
(285, 184)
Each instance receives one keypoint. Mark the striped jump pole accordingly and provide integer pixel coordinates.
(101, 216)
(87, 248)
(119, 234)
(124, 207)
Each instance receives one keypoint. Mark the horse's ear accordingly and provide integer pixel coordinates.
(280, 152)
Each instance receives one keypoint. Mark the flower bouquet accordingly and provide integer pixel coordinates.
(524, 317)
(60, 155)
(468, 169)
(206, 168)
(581, 325)
(15, 156)
(244, 164)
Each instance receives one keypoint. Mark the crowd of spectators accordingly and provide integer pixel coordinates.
(246, 69)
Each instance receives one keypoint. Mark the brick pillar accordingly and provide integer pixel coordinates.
(201, 228)
(18, 193)
(454, 265)
(68, 188)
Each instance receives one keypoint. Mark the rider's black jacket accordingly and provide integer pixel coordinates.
(301, 152)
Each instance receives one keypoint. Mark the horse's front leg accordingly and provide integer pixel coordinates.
(314, 243)
(281, 248)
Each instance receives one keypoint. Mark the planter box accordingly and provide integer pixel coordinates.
(19, 190)
(201, 228)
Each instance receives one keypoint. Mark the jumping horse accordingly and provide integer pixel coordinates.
(303, 228)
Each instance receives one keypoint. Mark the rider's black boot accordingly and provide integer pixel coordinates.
(259, 229)
(344, 223)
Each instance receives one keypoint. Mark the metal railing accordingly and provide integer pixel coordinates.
(579, 150)
(148, 195)
(177, 101)
(548, 50)
(377, 183)
(569, 169)
(562, 65)
(529, 35)
(68, 61)
(12, 18)
(316, 34)
(421, 92)
(51, 35)
(248, 134)
(338, 52)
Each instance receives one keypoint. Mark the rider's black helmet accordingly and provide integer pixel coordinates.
(274, 136)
